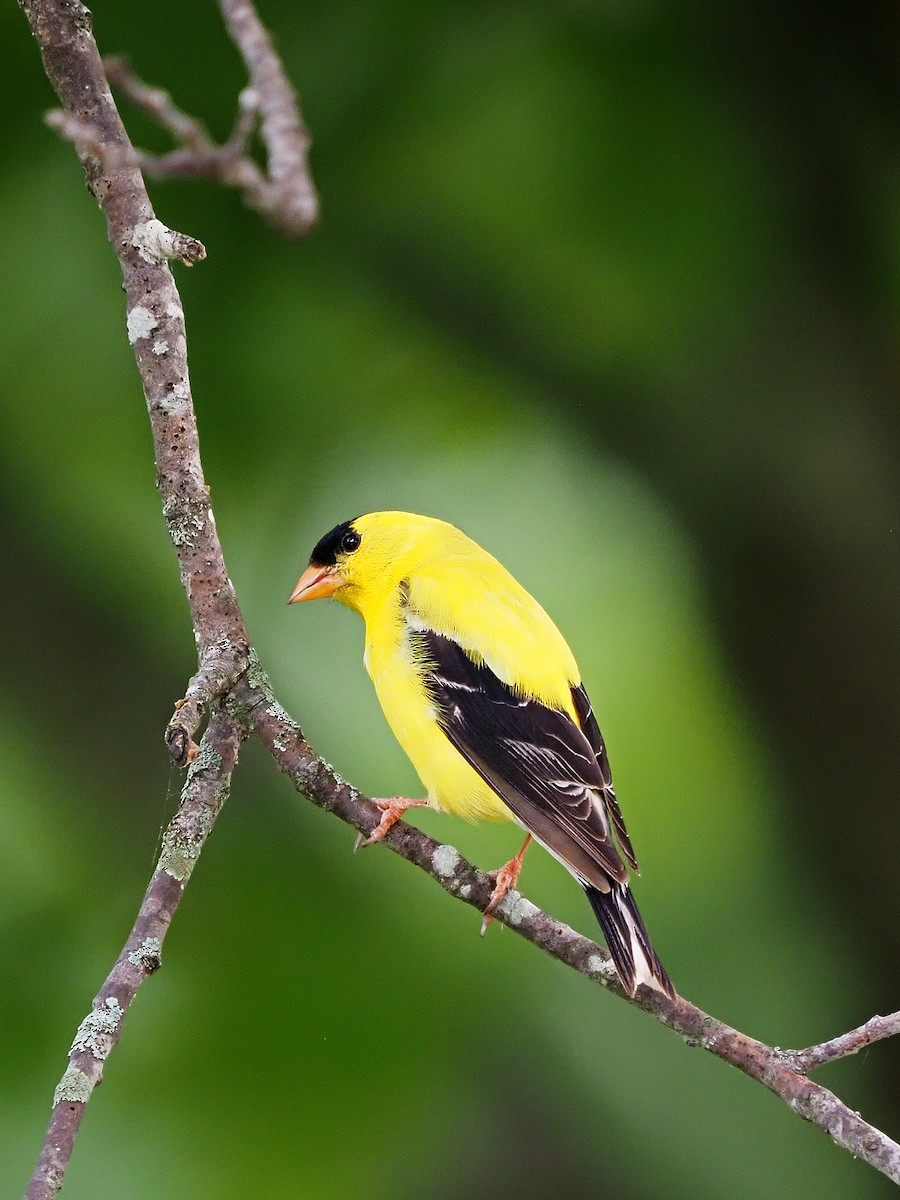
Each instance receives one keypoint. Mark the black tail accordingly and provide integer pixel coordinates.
(629, 943)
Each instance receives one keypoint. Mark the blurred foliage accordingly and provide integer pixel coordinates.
(615, 287)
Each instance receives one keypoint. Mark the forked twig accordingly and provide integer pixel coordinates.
(284, 191)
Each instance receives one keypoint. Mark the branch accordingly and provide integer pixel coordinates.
(874, 1030)
(156, 331)
(155, 326)
(202, 797)
(221, 663)
(197, 154)
(285, 194)
(283, 131)
(254, 704)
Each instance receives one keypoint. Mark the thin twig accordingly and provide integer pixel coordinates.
(159, 104)
(197, 154)
(292, 194)
(202, 797)
(874, 1030)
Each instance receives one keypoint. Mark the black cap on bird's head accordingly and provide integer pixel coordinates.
(343, 539)
(321, 577)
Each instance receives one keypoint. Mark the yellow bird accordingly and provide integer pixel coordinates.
(484, 695)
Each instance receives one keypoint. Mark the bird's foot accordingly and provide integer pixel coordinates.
(391, 812)
(504, 880)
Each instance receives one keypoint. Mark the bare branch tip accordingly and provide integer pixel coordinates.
(156, 242)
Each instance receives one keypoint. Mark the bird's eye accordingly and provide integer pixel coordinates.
(350, 541)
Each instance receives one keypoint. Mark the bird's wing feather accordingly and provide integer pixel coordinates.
(591, 731)
(536, 758)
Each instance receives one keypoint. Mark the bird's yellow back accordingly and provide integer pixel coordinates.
(419, 565)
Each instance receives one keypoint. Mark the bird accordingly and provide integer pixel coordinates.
(484, 695)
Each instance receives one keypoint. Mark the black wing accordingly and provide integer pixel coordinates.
(552, 775)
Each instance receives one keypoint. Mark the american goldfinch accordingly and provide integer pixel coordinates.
(484, 695)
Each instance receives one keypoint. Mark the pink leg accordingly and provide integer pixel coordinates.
(392, 810)
(504, 879)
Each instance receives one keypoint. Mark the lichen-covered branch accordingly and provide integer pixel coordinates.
(314, 778)
(154, 316)
(156, 331)
(205, 791)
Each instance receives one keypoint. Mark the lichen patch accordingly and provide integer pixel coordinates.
(445, 860)
(140, 324)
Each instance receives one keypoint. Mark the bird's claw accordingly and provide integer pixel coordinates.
(391, 812)
(488, 920)
(505, 878)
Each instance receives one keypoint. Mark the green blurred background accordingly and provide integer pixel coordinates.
(615, 287)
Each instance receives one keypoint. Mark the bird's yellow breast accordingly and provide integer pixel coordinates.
(450, 783)
(473, 600)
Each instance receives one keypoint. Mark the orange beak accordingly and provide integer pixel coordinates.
(316, 582)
